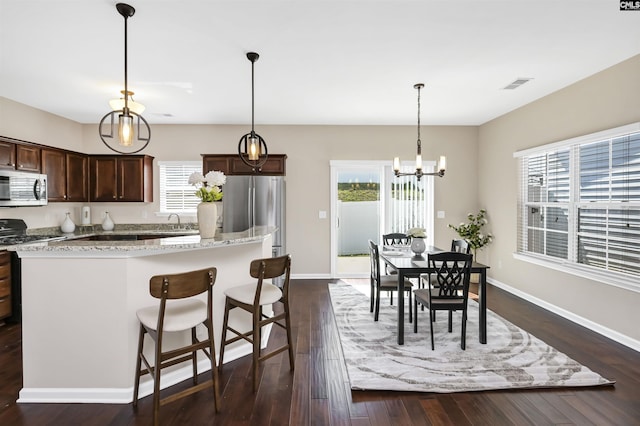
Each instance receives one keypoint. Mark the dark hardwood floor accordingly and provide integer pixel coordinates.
(318, 393)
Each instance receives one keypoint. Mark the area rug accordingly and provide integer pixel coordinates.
(511, 359)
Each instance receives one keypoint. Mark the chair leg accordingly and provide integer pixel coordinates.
(410, 308)
(390, 297)
(214, 369)
(223, 339)
(433, 346)
(415, 308)
(256, 347)
(372, 295)
(377, 308)
(136, 385)
(194, 357)
(463, 338)
(156, 380)
(450, 321)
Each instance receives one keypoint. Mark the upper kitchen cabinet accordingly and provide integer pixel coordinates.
(28, 158)
(7, 155)
(231, 164)
(66, 173)
(121, 178)
(16, 156)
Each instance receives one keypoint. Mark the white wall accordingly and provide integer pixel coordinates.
(606, 100)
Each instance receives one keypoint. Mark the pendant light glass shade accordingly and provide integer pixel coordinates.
(118, 104)
(252, 149)
(442, 164)
(133, 132)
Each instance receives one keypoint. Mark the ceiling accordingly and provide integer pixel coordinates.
(321, 61)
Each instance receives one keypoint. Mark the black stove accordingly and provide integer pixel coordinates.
(14, 231)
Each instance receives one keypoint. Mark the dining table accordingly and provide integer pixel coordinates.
(408, 265)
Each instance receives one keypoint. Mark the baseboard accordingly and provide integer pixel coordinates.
(593, 326)
(125, 395)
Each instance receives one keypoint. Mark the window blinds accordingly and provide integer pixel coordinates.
(176, 195)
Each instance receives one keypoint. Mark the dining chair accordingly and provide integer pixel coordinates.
(252, 298)
(394, 239)
(461, 246)
(179, 310)
(383, 282)
(451, 271)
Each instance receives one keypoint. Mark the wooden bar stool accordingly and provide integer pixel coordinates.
(251, 298)
(171, 315)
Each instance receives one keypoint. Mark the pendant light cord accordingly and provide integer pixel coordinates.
(252, 96)
(126, 88)
(419, 141)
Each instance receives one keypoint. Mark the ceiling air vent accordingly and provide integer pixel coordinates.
(517, 83)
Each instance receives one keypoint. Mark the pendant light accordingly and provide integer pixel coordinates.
(419, 173)
(133, 132)
(252, 148)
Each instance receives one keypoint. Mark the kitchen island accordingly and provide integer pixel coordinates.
(79, 302)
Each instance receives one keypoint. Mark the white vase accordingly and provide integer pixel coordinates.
(107, 223)
(68, 226)
(207, 219)
(418, 246)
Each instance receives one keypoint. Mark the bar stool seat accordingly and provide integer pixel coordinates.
(246, 293)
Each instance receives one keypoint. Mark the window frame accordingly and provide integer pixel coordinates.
(574, 204)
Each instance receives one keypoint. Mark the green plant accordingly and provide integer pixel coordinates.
(472, 231)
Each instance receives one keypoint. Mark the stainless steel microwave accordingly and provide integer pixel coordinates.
(18, 189)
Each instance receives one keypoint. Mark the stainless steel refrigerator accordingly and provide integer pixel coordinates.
(255, 201)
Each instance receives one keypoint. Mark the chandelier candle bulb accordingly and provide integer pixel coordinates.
(442, 163)
(396, 164)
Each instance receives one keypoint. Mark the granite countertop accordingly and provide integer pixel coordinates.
(185, 239)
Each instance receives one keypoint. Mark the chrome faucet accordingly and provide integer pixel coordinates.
(176, 215)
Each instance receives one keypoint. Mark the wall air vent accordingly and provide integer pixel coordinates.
(517, 83)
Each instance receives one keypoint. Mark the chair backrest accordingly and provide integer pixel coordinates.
(271, 267)
(461, 246)
(374, 258)
(396, 238)
(181, 285)
(452, 272)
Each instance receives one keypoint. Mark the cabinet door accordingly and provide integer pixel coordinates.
(54, 166)
(7, 155)
(76, 177)
(5, 284)
(28, 158)
(130, 179)
(103, 175)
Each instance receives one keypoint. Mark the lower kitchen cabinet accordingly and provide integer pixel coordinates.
(5, 284)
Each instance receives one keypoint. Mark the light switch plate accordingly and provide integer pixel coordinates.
(440, 214)
(322, 214)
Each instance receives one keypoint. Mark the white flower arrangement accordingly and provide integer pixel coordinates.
(417, 233)
(209, 185)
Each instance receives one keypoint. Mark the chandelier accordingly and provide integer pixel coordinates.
(419, 172)
(133, 132)
(252, 148)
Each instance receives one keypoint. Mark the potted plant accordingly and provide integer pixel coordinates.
(209, 190)
(472, 231)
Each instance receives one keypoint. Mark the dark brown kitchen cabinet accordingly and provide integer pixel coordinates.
(28, 158)
(121, 178)
(231, 164)
(7, 155)
(5, 284)
(66, 174)
(18, 156)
